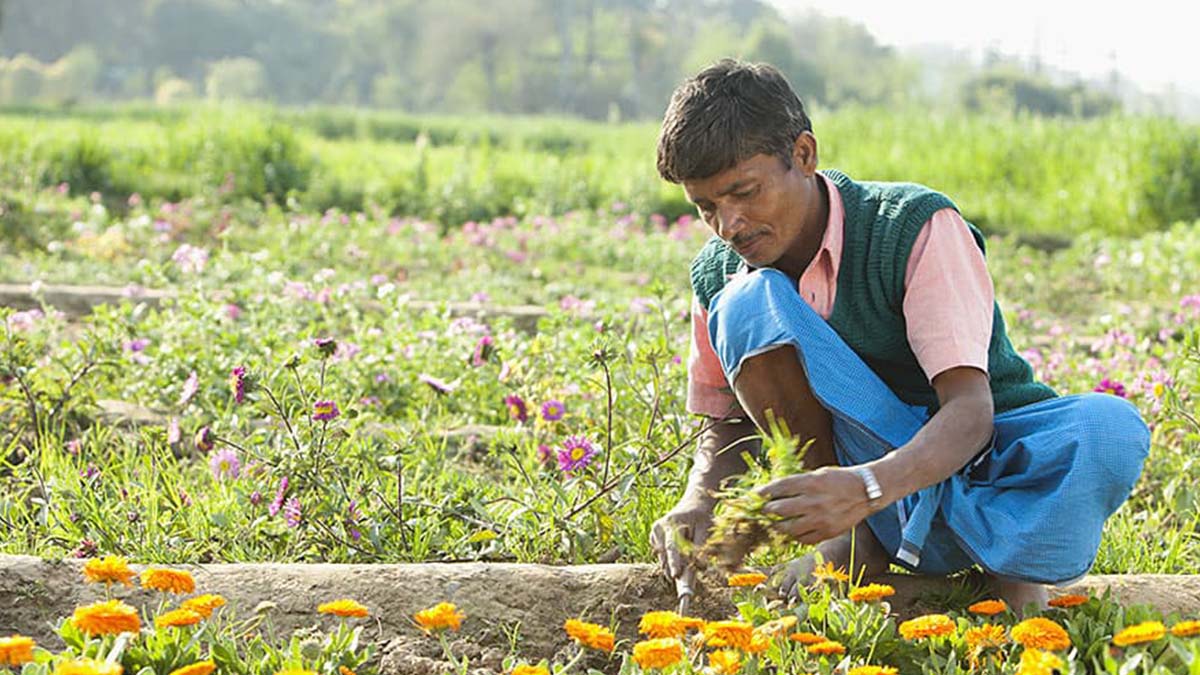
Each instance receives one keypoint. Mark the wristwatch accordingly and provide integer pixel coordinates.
(874, 492)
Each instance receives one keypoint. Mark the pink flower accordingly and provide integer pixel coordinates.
(324, 411)
(233, 312)
(440, 386)
(205, 439)
(483, 351)
(237, 383)
(545, 455)
(190, 386)
(191, 260)
(292, 512)
(277, 503)
(553, 410)
(576, 453)
(516, 406)
(224, 464)
(1113, 387)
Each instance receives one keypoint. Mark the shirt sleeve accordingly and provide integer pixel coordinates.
(708, 391)
(948, 297)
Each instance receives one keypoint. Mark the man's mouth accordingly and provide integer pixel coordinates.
(743, 244)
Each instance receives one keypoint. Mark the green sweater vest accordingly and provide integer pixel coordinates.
(882, 222)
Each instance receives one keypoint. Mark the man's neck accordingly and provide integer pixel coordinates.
(816, 220)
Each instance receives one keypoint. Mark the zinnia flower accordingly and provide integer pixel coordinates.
(659, 653)
(178, 618)
(87, 667)
(344, 608)
(526, 669)
(237, 383)
(323, 411)
(736, 634)
(553, 410)
(106, 618)
(178, 582)
(1186, 629)
(929, 625)
(224, 464)
(988, 607)
(204, 605)
(16, 650)
(441, 616)
(827, 648)
(198, 668)
(1069, 600)
(516, 407)
(1108, 386)
(1040, 633)
(871, 592)
(1038, 662)
(872, 670)
(662, 624)
(576, 453)
(1147, 631)
(746, 579)
(590, 635)
(108, 570)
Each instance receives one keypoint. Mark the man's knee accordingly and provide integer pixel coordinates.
(1113, 435)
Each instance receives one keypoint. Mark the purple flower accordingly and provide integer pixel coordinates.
(440, 386)
(204, 439)
(135, 347)
(255, 498)
(516, 406)
(174, 434)
(323, 411)
(190, 259)
(224, 464)
(1113, 387)
(576, 453)
(326, 346)
(237, 383)
(545, 455)
(277, 503)
(292, 512)
(90, 472)
(553, 410)
(483, 351)
(190, 386)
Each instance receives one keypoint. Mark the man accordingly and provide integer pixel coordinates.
(862, 314)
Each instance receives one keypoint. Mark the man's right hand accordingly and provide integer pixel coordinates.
(677, 535)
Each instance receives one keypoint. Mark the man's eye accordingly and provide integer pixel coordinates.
(744, 194)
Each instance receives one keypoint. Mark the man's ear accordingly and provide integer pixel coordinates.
(804, 153)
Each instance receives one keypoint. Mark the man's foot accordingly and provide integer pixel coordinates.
(1018, 594)
(869, 560)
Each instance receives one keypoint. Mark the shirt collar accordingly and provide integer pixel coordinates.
(831, 243)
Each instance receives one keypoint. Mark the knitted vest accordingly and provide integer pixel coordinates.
(881, 224)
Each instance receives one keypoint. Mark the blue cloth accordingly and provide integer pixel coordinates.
(1031, 506)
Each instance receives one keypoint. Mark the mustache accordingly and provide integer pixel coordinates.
(743, 239)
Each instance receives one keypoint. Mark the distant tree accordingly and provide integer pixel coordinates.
(1008, 90)
(236, 79)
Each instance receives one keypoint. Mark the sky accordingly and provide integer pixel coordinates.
(1154, 43)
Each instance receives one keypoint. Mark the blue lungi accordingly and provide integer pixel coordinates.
(1031, 506)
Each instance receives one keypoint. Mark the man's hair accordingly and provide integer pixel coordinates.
(726, 114)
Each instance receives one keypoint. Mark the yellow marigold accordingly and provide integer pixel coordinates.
(1147, 631)
(178, 618)
(526, 669)
(759, 643)
(16, 650)
(807, 638)
(778, 627)
(872, 670)
(871, 592)
(1070, 600)
(106, 618)
(725, 661)
(1038, 662)
(986, 636)
(929, 625)
(1186, 629)
(108, 570)
(747, 579)
(826, 572)
(591, 635)
(343, 670)
(198, 668)
(692, 623)
(658, 653)
(344, 608)
(203, 604)
(87, 667)
(440, 616)
(662, 624)
(178, 582)
(735, 634)
(827, 648)
(1040, 633)
(988, 607)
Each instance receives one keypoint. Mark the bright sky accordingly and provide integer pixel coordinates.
(1152, 42)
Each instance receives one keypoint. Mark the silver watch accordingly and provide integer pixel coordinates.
(874, 492)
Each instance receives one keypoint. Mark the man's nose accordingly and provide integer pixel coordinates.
(729, 222)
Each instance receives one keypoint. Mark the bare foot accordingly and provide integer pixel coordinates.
(869, 560)
(1018, 594)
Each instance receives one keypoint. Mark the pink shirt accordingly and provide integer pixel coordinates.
(948, 300)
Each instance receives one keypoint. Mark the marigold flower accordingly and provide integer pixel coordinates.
(692, 623)
(807, 638)
(659, 653)
(198, 668)
(1069, 600)
(178, 582)
(178, 618)
(203, 604)
(759, 643)
(929, 625)
(778, 627)
(1186, 629)
(725, 661)
(988, 607)
(826, 572)
(728, 634)
(526, 669)
(296, 672)
(747, 579)
(1040, 633)
(108, 570)
(1147, 631)
(662, 624)
(440, 616)
(343, 670)
(590, 635)
(16, 650)
(87, 667)
(985, 636)
(871, 592)
(1038, 662)
(344, 608)
(106, 618)
(872, 670)
(827, 648)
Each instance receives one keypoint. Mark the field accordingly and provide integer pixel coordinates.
(319, 401)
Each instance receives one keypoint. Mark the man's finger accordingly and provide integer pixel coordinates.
(787, 507)
(787, 486)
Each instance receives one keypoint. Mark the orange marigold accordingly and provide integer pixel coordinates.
(692, 623)
(1040, 633)
(662, 624)
(929, 625)
(343, 608)
(109, 617)
(737, 634)
(203, 604)
(759, 643)
(177, 618)
(725, 661)
(16, 650)
(747, 579)
(827, 648)
(826, 572)
(1069, 600)
(343, 670)
(988, 607)
(526, 669)
(1147, 631)
(198, 668)
(807, 638)
(441, 616)
(1186, 629)
(658, 653)
(108, 570)
(87, 667)
(178, 582)
(986, 636)
(871, 592)
(872, 670)
(591, 635)
(1038, 662)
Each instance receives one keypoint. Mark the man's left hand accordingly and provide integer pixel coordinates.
(818, 505)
